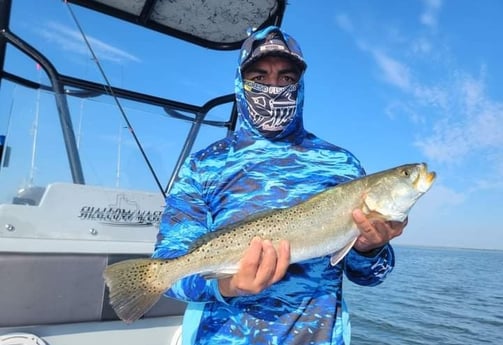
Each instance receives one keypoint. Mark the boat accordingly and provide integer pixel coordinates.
(72, 200)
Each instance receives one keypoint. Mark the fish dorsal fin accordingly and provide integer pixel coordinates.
(341, 253)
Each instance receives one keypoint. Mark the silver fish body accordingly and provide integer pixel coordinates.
(322, 225)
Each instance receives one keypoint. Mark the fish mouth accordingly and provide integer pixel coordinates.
(425, 178)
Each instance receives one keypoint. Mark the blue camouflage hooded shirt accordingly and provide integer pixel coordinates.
(243, 174)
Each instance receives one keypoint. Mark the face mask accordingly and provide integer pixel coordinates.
(271, 108)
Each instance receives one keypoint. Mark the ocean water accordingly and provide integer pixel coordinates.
(433, 296)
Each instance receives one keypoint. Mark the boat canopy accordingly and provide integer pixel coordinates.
(215, 24)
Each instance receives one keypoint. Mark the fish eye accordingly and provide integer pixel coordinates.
(406, 172)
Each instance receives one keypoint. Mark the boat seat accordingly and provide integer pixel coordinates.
(37, 289)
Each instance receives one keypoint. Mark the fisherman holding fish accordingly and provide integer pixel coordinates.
(275, 278)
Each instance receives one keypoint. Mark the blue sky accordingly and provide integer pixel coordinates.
(392, 81)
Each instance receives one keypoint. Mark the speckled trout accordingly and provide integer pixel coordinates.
(322, 225)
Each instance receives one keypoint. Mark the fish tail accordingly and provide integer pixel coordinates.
(135, 286)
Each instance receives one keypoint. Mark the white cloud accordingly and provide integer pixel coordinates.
(485, 116)
(447, 144)
(429, 17)
(474, 125)
(71, 40)
(463, 121)
(344, 22)
(421, 46)
(392, 70)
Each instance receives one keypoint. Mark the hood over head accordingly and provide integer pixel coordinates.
(270, 111)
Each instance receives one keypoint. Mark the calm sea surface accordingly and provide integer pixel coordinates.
(433, 296)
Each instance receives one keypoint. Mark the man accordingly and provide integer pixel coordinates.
(270, 162)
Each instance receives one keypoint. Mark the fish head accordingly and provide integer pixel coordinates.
(393, 192)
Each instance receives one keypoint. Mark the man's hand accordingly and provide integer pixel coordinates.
(375, 232)
(261, 266)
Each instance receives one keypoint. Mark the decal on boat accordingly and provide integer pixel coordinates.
(123, 212)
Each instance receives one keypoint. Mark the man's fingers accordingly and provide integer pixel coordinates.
(267, 265)
(251, 260)
(361, 221)
(283, 261)
(374, 230)
(261, 266)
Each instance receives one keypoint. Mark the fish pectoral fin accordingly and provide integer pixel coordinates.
(341, 253)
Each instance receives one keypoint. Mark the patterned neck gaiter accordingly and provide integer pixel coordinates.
(271, 108)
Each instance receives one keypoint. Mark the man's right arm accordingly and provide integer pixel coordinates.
(185, 218)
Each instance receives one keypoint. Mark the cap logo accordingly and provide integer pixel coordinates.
(271, 46)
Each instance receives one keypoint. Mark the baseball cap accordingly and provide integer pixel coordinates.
(271, 42)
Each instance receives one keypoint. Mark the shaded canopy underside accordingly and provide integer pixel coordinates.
(215, 24)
